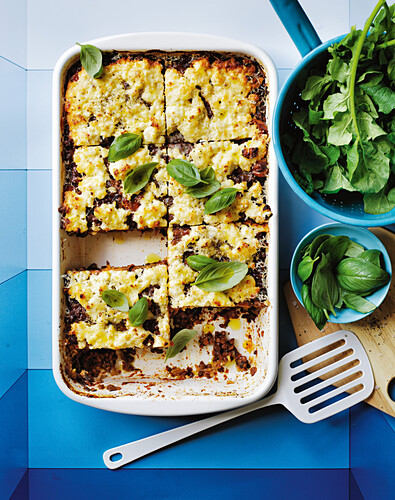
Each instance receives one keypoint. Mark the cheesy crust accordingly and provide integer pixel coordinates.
(106, 327)
(215, 101)
(224, 242)
(241, 166)
(128, 97)
(96, 194)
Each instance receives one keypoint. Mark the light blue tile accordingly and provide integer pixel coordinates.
(39, 119)
(271, 438)
(12, 223)
(283, 74)
(13, 113)
(296, 219)
(13, 330)
(39, 319)
(13, 436)
(39, 219)
(360, 10)
(13, 33)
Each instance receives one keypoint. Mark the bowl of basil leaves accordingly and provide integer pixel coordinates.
(334, 128)
(340, 273)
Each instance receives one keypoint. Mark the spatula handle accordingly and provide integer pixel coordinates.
(137, 449)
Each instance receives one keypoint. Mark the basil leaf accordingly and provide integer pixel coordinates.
(115, 299)
(124, 146)
(357, 303)
(336, 247)
(221, 276)
(219, 200)
(184, 172)
(306, 267)
(180, 340)
(199, 262)
(91, 60)
(324, 290)
(139, 312)
(138, 177)
(354, 249)
(207, 174)
(316, 314)
(373, 256)
(203, 190)
(360, 276)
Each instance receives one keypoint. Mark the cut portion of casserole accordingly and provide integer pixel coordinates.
(94, 198)
(226, 242)
(96, 325)
(214, 98)
(236, 165)
(128, 97)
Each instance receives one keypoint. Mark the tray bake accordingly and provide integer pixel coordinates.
(104, 236)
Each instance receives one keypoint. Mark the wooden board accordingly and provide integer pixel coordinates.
(376, 332)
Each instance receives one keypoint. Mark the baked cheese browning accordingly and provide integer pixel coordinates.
(219, 100)
(96, 325)
(224, 242)
(95, 200)
(241, 166)
(128, 97)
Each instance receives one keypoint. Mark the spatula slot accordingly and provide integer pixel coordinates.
(317, 353)
(322, 362)
(328, 388)
(326, 376)
(338, 397)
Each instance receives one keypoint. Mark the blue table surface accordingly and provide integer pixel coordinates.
(61, 442)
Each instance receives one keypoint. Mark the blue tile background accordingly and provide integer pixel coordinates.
(33, 36)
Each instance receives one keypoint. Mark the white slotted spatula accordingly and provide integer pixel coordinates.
(345, 364)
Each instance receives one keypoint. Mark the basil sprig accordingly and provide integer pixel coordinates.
(139, 312)
(124, 146)
(179, 341)
(198, 183)
(138, 177)
(336, 271)
(221, 276)
(220, 200)
(115, 299)
(199, 262)
(91, 60)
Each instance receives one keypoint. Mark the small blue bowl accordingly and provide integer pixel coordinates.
(358, 234)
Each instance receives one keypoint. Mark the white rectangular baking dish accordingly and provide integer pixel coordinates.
(152, 395)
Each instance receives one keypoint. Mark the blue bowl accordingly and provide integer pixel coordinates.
(359, 235)
(344, 207)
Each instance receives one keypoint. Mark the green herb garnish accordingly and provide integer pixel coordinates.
(219, 200)
(124, 146)
(199, 262)
(220, 276)
(91, 60)
(198, 183)
(179, 341)
(347, 120)
(139, 312)
(115, 299)
(138, 177)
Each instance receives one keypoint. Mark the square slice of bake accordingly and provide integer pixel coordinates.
(96, 325)
(245, 243)
(219, 99)
(128, 97)
(94, 198)
(236, 165)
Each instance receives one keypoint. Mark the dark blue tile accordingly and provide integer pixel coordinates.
(39, 318)
(12, 222)
(13, 436)
(355, 492)
(21, 492)
(48, 484)
(13, 330)
(372, 453)
(65, 434)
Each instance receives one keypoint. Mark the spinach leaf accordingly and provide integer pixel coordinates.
(124, 146)
(360, 276)
(139, 312)
(91, 60)
(378, 203)
(221, 276)
(138, 177)
(335, 181)
(115, 299)
(316, 314)
(358, 303)
(324, 289)
(179, 341)
(219, 200)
